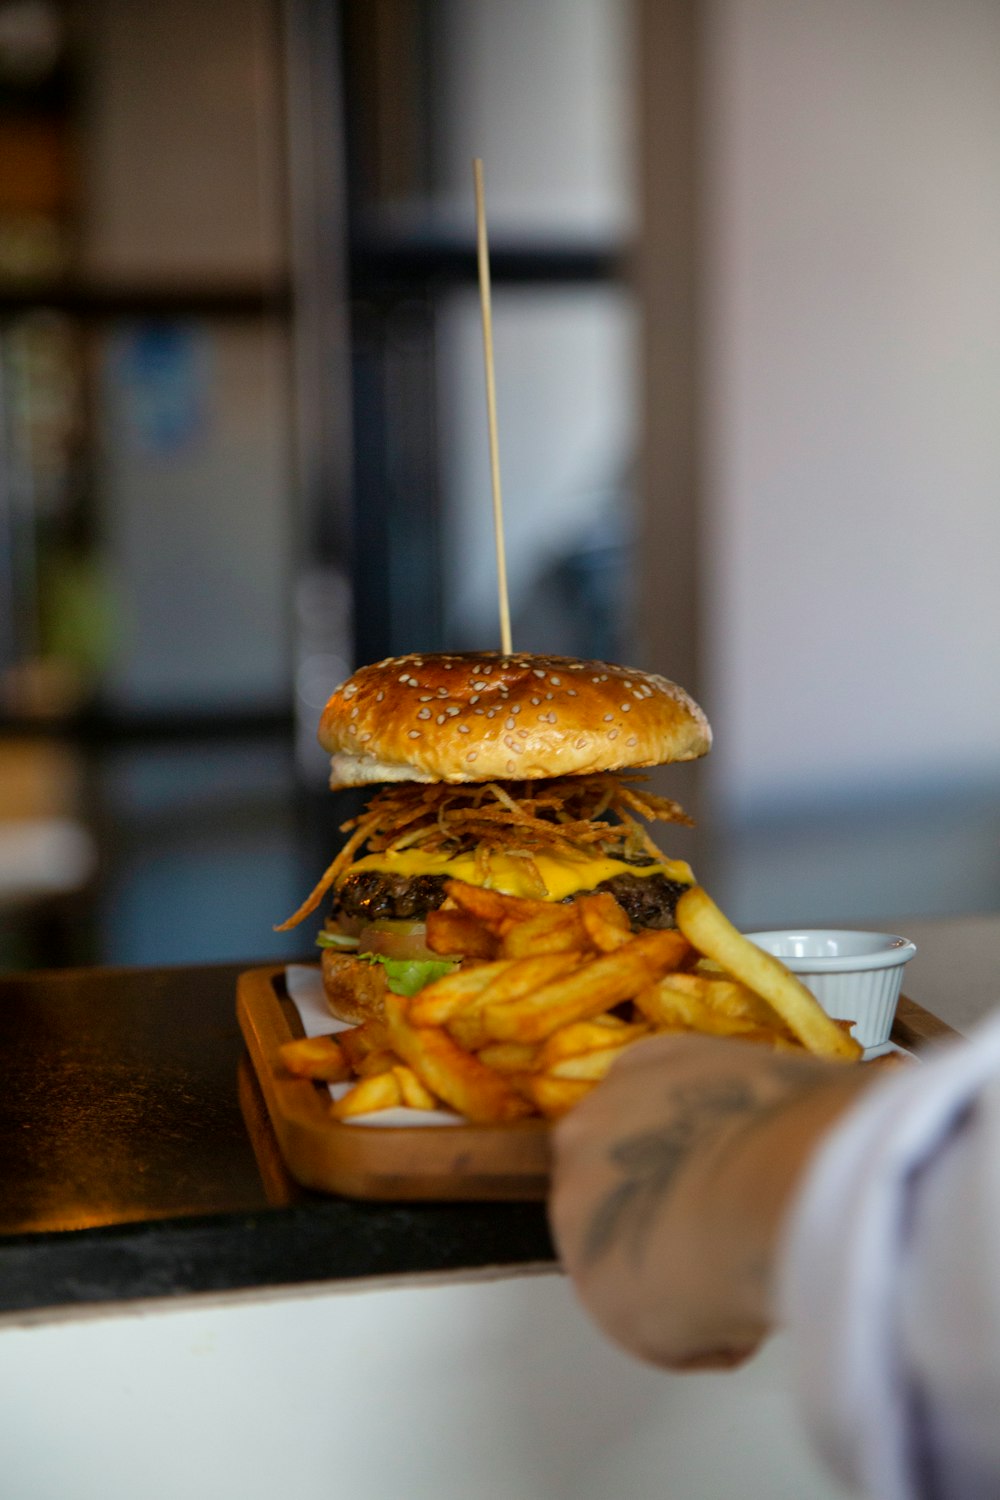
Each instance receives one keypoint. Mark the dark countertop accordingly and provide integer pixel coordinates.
(138, 1160)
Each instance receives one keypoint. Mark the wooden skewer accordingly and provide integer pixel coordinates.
(491, 404)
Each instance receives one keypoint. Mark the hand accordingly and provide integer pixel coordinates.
(670, 1185)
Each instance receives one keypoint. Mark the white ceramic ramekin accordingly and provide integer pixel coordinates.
(855, 976)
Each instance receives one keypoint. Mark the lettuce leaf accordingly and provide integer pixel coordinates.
(404, 976)
(407, 976)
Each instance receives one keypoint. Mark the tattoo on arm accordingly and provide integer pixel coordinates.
(648, 1162)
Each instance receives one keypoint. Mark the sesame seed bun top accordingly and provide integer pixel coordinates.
(480, 716)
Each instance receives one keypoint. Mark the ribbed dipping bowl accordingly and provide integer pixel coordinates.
(855, 976)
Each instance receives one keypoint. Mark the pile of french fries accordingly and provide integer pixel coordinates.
(547, 997)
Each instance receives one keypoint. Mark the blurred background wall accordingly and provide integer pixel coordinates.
(744, 284)
(825, 386)
(853, 368)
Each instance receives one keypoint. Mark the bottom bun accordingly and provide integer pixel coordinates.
(355, 989)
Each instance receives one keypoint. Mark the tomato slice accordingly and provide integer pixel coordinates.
(396, 940)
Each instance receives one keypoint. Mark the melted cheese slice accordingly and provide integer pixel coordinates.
(563, 875)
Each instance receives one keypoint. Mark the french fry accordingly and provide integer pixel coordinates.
(412, 1092)
(524, 975)
(433, 1005)
(317, 1057)
(779, 1041)
(581, 1037)
(467, 1029)
(557, 929)
(672, 1008)
(373, 1063)
(454, 1075)
(707, 966)
(730, 997)
(370, 1096)
(512, 1058)
(590, 989)
(712, 933)
(604, 921)
(554, 1097)
(358, 1041)
(513, 979)
(726, 997)
(453, 932)
(493, 908)
(590, 1065)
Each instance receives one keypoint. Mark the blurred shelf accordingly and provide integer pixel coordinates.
(104, 727)
(99, 302)
(413, 258)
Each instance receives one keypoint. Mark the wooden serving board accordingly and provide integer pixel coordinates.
(503, 1162)
(458, 1162)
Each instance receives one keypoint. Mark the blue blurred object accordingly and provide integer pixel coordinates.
(160, 381)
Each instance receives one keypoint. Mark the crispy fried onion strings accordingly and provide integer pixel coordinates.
(564, 815)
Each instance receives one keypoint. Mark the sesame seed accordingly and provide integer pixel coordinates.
(509, 723)
(350, 689)
(579, 744)
(365, 736)
(626, 708)
(515, 708)
(612, 734)
(379, 696)
(628, 684)
(556, 681)
(424, 713)
(474, 698)
(447, 665)
(548, 697)
(414, 734)
(536, 701)
(510, 765)
(452, 709)
(608, 718)
(479, 686)
(472, 755)
(538, 672)
(354, 713)
(491, 714)
(442, 692)
(632, 740)
(426, 698)
(480, 711)
(487, 671)
(463, 729)
(352, 728)
(571, 692)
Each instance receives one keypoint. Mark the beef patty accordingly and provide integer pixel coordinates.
(376, 896)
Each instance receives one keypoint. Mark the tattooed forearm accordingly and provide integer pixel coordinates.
(648, 1162)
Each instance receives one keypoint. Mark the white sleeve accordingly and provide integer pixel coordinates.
(889, 1282)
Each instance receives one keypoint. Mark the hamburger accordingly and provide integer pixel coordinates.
(514, 772)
